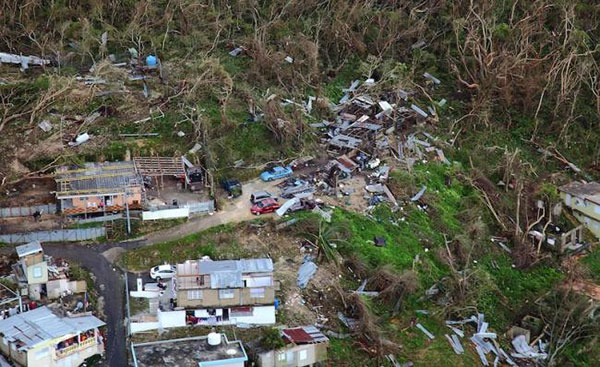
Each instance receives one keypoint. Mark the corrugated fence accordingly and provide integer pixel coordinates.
(59, 235)
(201, 208)
(24, 211)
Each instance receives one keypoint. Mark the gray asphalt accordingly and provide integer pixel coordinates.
(110, 283)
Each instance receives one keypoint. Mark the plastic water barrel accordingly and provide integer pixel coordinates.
(151, 60)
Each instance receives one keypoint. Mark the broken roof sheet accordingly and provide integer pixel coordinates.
(29, 249)
(304, 335)
(345, 141)
(589, 191)
(39, 325)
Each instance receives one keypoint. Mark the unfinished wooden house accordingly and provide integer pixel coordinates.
(98, 188)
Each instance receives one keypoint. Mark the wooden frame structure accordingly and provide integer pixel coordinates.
(160, 167)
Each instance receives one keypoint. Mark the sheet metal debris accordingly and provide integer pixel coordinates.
(419, 194)
(425, 331)
(24, 61)
(305, 273)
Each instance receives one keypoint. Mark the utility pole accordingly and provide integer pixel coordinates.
(127, 213)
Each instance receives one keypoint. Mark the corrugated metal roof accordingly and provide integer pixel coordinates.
(226, 279)
(84, 323)
(224, 273)
(28, 249)
(209, 266)
(35, 326)
(256, 265)
(304, 335)
(245, 266)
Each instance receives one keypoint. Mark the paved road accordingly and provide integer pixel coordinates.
(111, 287)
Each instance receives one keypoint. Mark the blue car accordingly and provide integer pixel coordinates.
(276, 173)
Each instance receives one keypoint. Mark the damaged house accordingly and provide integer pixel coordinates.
(228, 291)
(584, 200)
(305, 346)
(43, 337)
(37, 276)
(98, 188)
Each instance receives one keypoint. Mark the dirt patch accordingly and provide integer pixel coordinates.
(28, 224)
(357, 201)
(28, 192)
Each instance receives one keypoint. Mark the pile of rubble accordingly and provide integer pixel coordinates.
(486, 343)
(368, 137)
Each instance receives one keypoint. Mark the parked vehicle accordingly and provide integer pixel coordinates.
(259, 195)
(233, 187)
(276, 173)
(164, 271)
(264, 206)
(303, 204)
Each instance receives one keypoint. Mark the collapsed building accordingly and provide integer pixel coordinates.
(39, 276)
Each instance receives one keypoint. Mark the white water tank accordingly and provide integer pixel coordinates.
(214, 339)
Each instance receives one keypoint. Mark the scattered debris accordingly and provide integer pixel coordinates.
(455, 344)
(236, 51)
(418, 110)
(80, 139)
(305, 273)
(419, 194)
(24, 61)
(432, 78)
(425, 331)
(289, 59)
(45, 125)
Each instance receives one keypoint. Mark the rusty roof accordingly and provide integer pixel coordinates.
(304, 335)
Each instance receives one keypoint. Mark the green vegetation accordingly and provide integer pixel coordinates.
(520, 83)
(190, 247)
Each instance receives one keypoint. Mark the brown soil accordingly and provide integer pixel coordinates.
(28, 224)
(28, 192)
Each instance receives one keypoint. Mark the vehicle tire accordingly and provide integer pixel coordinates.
(158, 279)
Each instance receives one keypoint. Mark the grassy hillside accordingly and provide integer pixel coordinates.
(520, 80)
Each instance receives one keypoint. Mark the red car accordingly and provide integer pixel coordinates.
(268, 205)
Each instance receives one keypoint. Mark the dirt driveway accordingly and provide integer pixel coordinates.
(234, 211)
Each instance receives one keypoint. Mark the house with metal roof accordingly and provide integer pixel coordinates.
(98, 187)
(304, 346)
(41, 337)
(584, 200)
(206, 292)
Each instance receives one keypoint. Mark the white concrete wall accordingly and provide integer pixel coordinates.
(166, 214)
(137, 327)
(144, 294)
(261, 315)
(171, 319)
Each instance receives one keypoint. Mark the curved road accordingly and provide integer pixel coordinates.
(96, 259)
